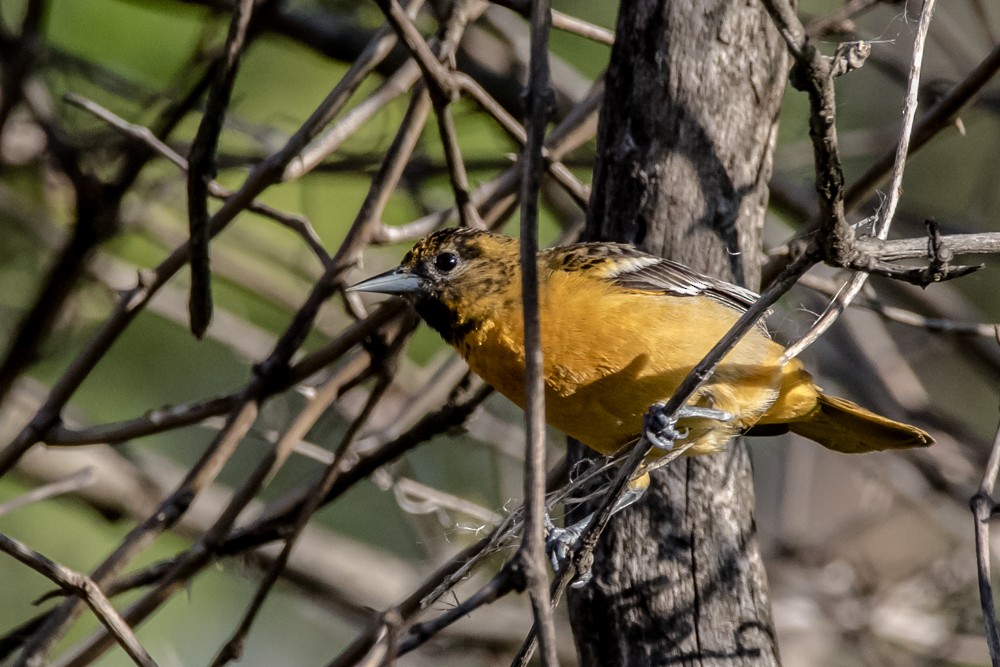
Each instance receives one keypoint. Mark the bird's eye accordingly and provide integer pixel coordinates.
(446, 261)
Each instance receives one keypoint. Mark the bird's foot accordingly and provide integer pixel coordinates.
(560, 543)
(662, 431)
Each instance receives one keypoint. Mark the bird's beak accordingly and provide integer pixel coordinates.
(397, 281)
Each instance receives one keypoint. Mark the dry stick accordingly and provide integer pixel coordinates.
(958, 244)
(982, 506)
(456, 167)
(330, 140)
(829, 287)
(578, 127)
(563, 22)
(69, 484)
(169, 511)
(936, 119)
(888, 209)
(265, 174)
(202, 166)
(275, 366)
(411, 605)
(233, 648)
(577, 190)
(83, 587)
(297, 223)
(352, 121)
(813, 72)
(186, 414)
(268, 377)
(442, 100)
(155, 421)
(442, 90)
(530, 556)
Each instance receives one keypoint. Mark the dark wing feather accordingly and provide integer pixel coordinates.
(668, 277)
(633, 269)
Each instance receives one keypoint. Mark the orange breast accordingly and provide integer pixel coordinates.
(610, 354)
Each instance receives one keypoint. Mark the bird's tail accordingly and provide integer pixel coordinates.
(843, 426)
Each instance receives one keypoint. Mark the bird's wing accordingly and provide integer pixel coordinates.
(635, 270)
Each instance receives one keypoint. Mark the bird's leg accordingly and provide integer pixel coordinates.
(661, 431)
(560, 543)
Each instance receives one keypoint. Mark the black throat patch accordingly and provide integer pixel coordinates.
(445, 321)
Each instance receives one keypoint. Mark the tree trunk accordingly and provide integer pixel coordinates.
(684, 156)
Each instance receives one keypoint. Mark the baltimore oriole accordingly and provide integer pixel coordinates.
(620, 331)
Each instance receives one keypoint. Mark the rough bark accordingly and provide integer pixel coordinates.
(684, 157)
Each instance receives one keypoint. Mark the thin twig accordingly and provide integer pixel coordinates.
(564, 22)
(870, 301)
(267, 173)
(233, 648)
(440, 82)
(69, 484)
(297, 223)
(813, 72)
(888, 209)
(982, 506)
(201, 166)
(87, 590)
(530, 557)
(937, 118)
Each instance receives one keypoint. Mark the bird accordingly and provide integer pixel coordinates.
(620, 330)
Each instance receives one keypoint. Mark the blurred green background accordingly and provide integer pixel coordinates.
(132, 56)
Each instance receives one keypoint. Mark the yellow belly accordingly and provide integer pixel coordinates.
(606, 364)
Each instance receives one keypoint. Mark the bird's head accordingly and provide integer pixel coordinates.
(453, 277)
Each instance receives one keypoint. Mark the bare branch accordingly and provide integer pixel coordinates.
(937, 118)
(983, 506)
(529, 562)
(888, 209)
(297, 223)
(87, 590)
(266, 174)
(69, 484)
(201, 166)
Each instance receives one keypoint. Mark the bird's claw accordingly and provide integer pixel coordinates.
(560, 543)
(661, 430)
